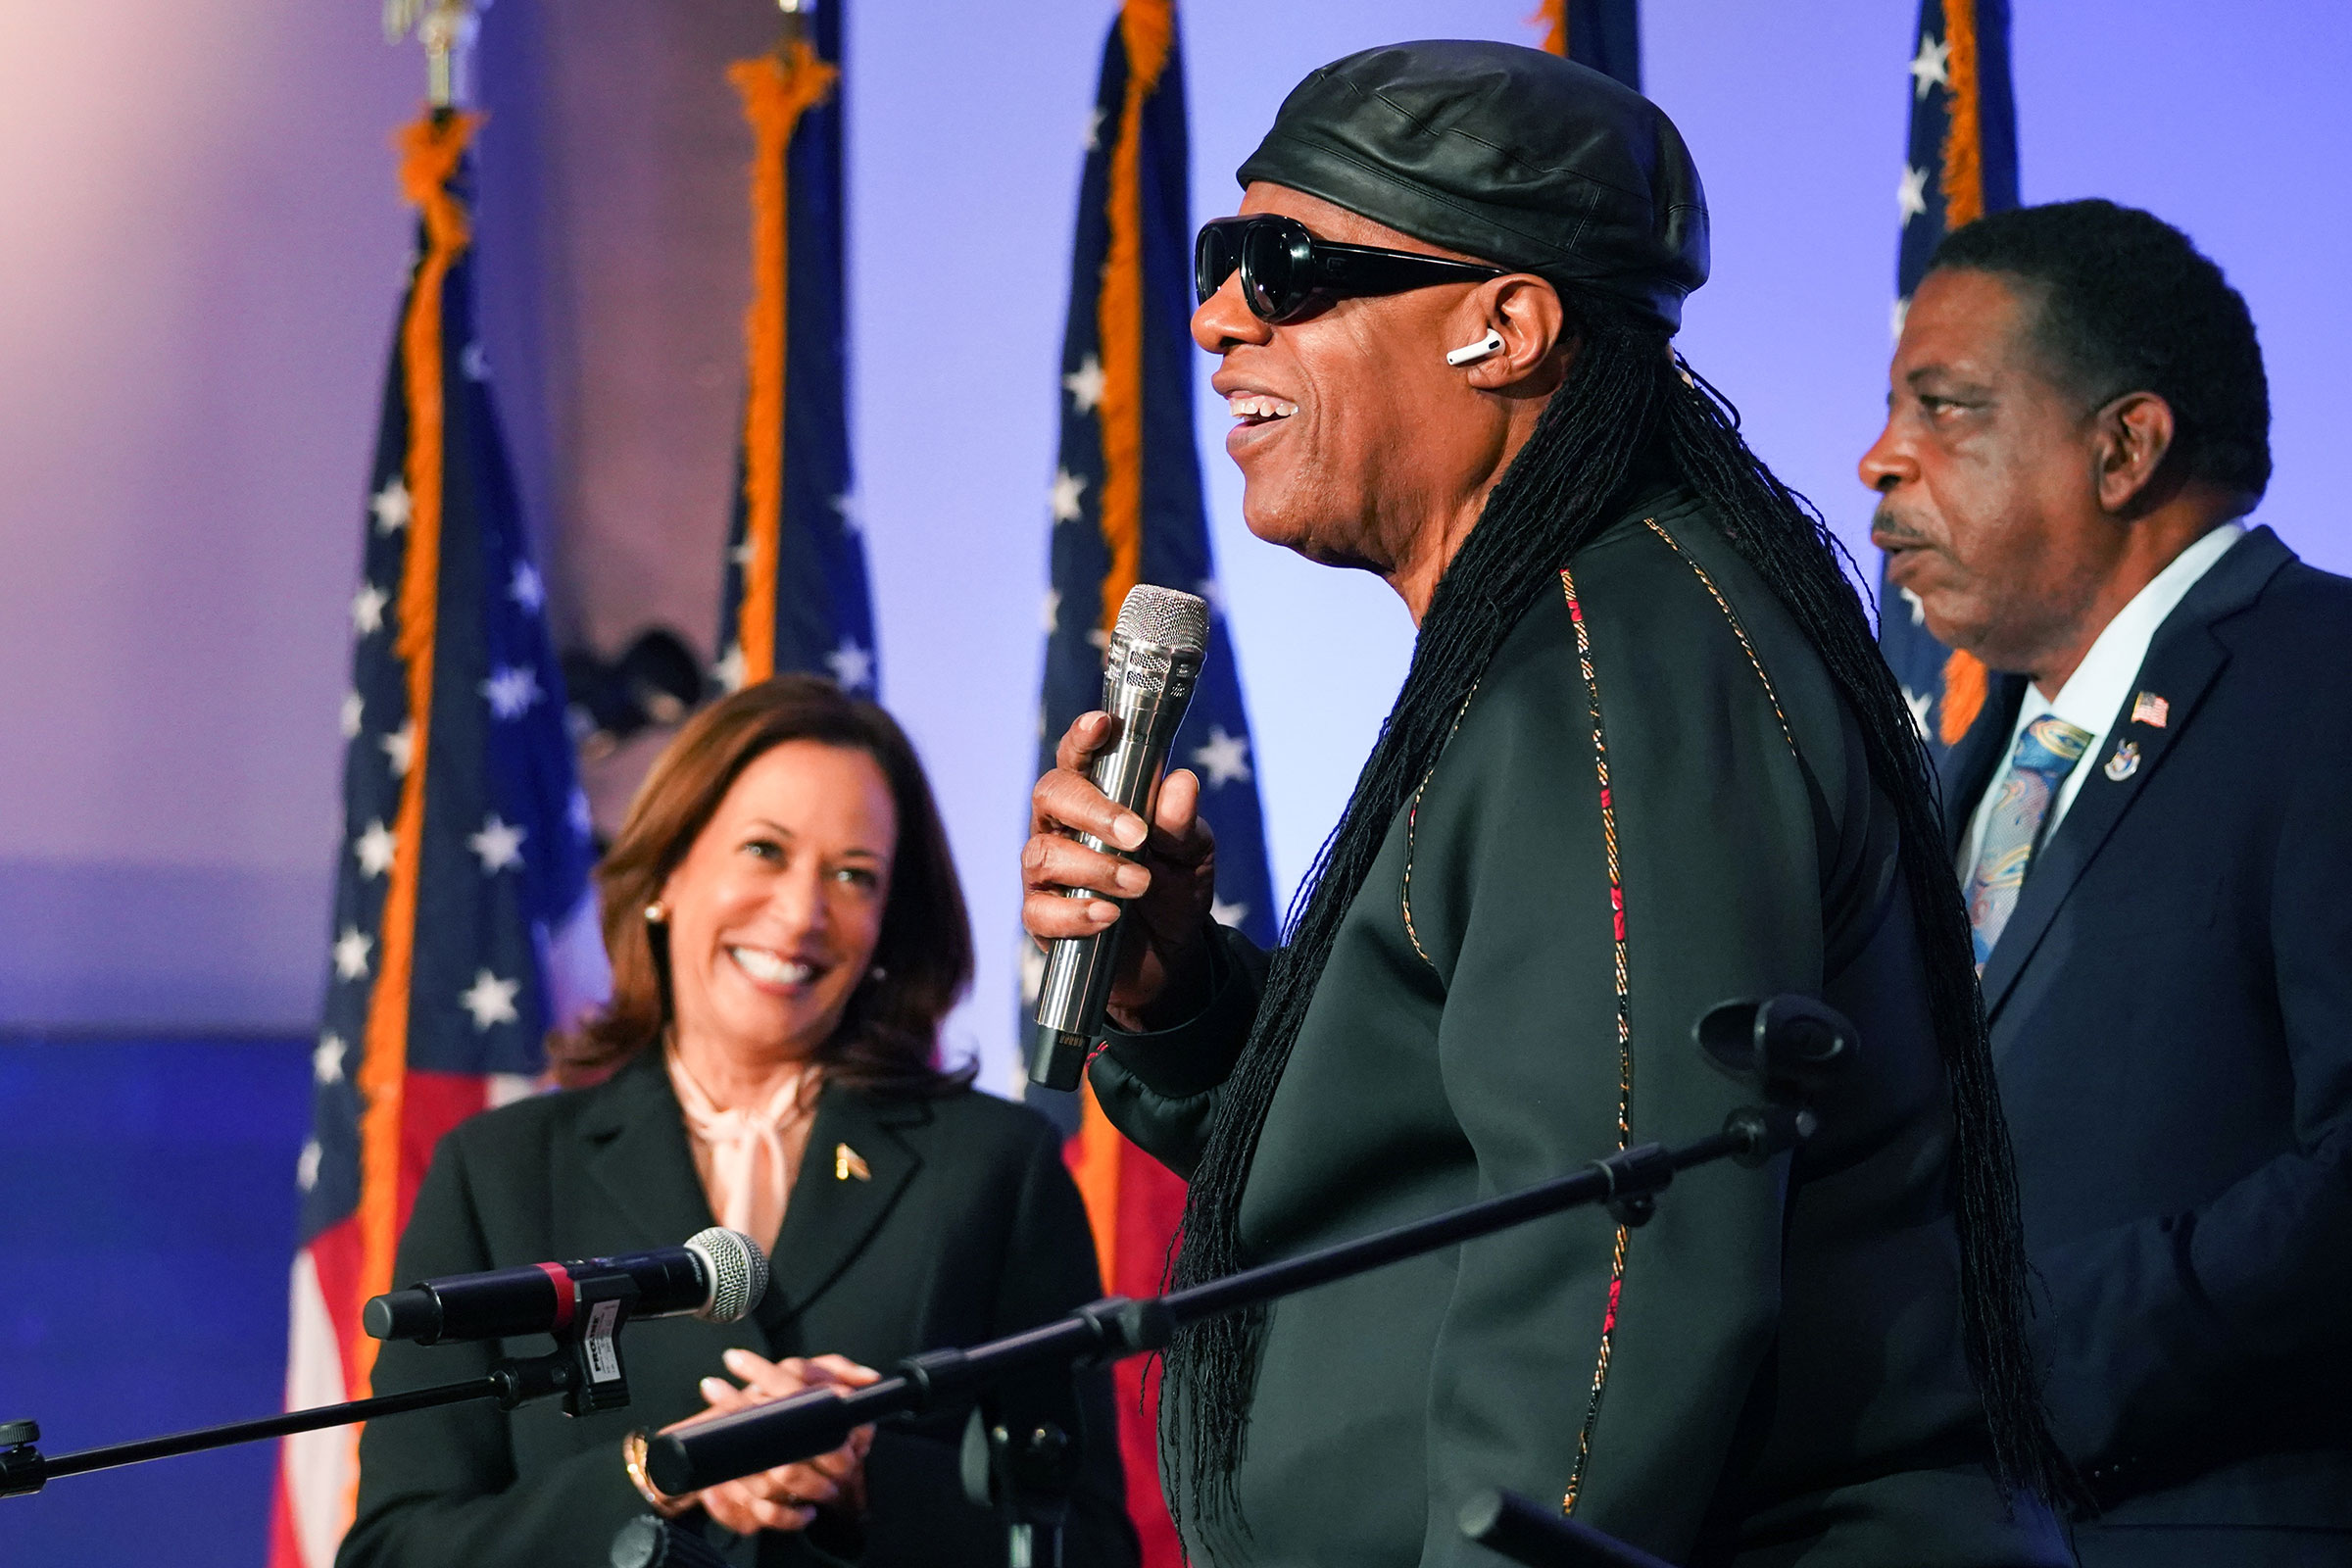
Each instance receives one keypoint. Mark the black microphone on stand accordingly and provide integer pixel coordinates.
(1146, 684)
(718, 1275)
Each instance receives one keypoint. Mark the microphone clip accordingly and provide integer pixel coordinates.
(585, 1367)
(590, 1344)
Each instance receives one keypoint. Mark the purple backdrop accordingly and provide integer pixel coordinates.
(202, 256)
(205, 246)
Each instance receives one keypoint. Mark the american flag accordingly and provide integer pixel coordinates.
(795, 595)
(1961, 164)
(461, 893)
(1126, 508)
(1605, 34)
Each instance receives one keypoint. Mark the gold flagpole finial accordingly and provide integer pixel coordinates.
(446, 29)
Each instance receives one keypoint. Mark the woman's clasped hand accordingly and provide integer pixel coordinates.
(789, 1495)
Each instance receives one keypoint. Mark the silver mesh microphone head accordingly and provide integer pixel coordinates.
(738, 1272)
(1166, 616)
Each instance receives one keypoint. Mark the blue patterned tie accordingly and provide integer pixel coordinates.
(2046, 753)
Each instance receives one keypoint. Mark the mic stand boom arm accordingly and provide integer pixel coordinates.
(585, 1368)
(822, 1420)
(24, 1469)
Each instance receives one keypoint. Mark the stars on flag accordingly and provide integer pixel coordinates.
(1931, 67)
(853, 666)
(400, 748)
(1919, 606)
(743, 554)
(1902, 310)
(373, 848)
(467, 945)
(391, 506)
(1085, 384)
(579, 814)
(511, 689)
(1920, 703)
(498, 845)
(351, 951)
(729, 670)
(490, 1000)
(1224, 758)
(851, 514)
(1224, 914)
(1063, 496)
(1911, 193)
(1213, 591)
(1053, 615)
(1094, 127)
(367, 610)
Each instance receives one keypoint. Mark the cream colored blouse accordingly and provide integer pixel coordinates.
(747, 1159)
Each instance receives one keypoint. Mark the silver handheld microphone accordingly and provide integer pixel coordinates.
(1146, 684)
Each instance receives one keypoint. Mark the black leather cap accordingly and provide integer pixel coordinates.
(1511, 155)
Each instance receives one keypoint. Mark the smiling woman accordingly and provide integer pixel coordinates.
(783, 884)
(786, 933)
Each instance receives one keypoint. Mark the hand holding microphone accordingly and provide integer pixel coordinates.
(1151, 851)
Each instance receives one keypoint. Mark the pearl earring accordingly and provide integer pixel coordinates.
(657, 913)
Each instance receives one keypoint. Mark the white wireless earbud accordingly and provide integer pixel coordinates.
(1472, 353)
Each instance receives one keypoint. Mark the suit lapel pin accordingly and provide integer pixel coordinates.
(2150, 709)
(848, 1162)
(2126, 761)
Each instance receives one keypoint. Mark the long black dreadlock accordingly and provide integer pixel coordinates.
(1625, 400)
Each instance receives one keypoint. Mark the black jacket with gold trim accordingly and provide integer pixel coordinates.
(962, 1226)
(1654, 802)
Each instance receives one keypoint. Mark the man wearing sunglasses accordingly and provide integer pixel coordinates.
(1646, 760)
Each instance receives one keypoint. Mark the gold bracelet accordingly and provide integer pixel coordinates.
(633, 1459)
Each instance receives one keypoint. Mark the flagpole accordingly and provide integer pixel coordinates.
(447, 29)
(793, 593)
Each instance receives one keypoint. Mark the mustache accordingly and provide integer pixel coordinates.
(1889, 531)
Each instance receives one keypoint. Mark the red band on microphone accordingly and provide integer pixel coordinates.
(564, 1293)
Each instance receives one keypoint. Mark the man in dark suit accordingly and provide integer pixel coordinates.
(2152, 817)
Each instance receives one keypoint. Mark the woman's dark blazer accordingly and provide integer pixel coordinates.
(963, 1226)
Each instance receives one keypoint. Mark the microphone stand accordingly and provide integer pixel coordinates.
(820, 1420)
(1788, 1044)
(585, 1368)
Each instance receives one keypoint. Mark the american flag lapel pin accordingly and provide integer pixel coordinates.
(2150, 709)
(848, 1162)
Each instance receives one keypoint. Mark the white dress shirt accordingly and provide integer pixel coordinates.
(2094, 693)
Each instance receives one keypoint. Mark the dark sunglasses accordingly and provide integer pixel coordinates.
(1283, 268)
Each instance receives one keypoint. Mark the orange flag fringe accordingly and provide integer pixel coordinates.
(430, 149)
(777, 90)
